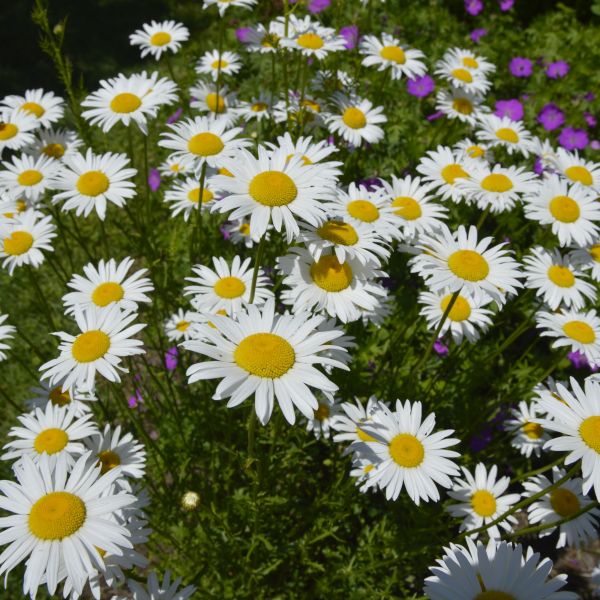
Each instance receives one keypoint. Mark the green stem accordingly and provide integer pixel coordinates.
(257, 261)
(543, 469)
(483, 217)
(41, 297)
(200, 196)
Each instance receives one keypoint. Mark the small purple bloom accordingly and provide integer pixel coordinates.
(595, 144)
(551, 117)
(154, 179)
(558, 69)
(573, 139)
(243, 34)
(506, 5)
(171, 359)
(420, 86)
(317, 6)
(589, 97)
(175, 116)
(578, 360)
(473, 7)
(440, 348)
(520, 67)
(590, 119)
(224, 232)
(134, 400)
(481, 440)
(538, 167)
(350, 34)
(477, 34)
(509, 108)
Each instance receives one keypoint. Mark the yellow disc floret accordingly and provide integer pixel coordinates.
(265, 355)
(407, 451)
(331, 275)
(468, 265)
(273, 188)
(57, 515)
(90, 346)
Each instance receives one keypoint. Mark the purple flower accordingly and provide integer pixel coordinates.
(224, 232)
(420, 86)
(371, 183)
(350, 34)
(551, 117)
(538, 167)
(243, 34)
(506, 5)
(477, 34)
(558, 69)
(481, 440)
(171, 359)
(520, 67)
(436, 115)
(317, 6)
(440, 348)
(590, 119)
(578, 360)
(589, 97)
(595, 144)
(175, 116)
(509, 108)
(573, 139)
(134, 400)
(154, 179)
(473, 7)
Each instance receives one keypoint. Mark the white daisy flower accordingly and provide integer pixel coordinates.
(157, 37)
(265, 40)
(44, 106)
(528, 436)
(23, 238)
(457, 261)
(588, 259)
(108, 284)
(268, 356)
(310, 109)
(562, 502)
(348, 424)
(228, 63)
(54, 143)
(556, 280)
(226, 287)
(361, 467)
(54, 395)
(572, 210)
(223, 5)
(355, 119)
(182, 325)
(184, 197)
(547, 389)
(468, 59)
(328, 81)
(482, 498)
(59, 519)
(407, 454)
(461, 104)
(167, 589)
(314, 40)
(6, 333)
(90, 182)
(576, 169)
(223, 107)
(29, 177)
(475, 151)
(16, 129)
(257, 109)
(10, 207)
(239, 232)
(320, 424)
(56, 433)
(122, 99)
(506, 133)
(388, 53)
(460, 76)
(174, 166)
(105, 336)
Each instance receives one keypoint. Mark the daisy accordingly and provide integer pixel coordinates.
(258, 108)
(548, 390)
(572, 210)
(314, 41)
(16, 127)
(59, 519)
(413, 206)
(343, 290)
(361, 467)
(576, 169)
(213, 64)
(273, 188)
(320, 424)
(349, 420)
(588, 259)
(108, 284)
(458, 103)
(105, 336)
(310, 109)
(59, 144)
(44, 106)
(239, 232)
(29, 177)
(270, 356)
(467, 317)
(23, 238)
(158, 37)
(407, 454)
(167, 590)
(460, 76)
(457, 261)
(10, 207)
(474, 150)
(122, 99)
(223, 5)
(562, 502)
(182, 325)
(175, 166)
(264, 40)
(528, 436)
(184, 197)
(56, 433)
(356, 120)
(387, 53)
(556, 280)
(481, 498)
(506, 133)
(223, 107)
(53, 395)
(327, 82)
(6, 333)
(226, 287)
(468, 59)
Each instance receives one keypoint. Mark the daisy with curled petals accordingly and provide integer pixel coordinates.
(223, 5)
(226, 287)
(457, 261)
(122, 99)
(343, 290)
(474, 150)
(413, 206)
(468, 59)
(481, 499)
(239, 232)
(215, 65)
(108, 284)
(506, 133)
(528, 436)
(6, 333)
(556, 280)
(16, 129)
(457, 103)
(59, 519)
(183, 197)
(349, 420)
(356, 120)
(388, 53)
(23, 238)
(173, 167)
(29, 177)
(44, 106)
(588, 259)
(157, 37)
(59, 144)
(561, 503)
(271, 357)
(257, 109)
(314, 41)
(53, 395)
(55, 432)
(165, 589)
(182, 325)
(223, 107)
(467, 318)
(573, 211)
(320, 424)
(577, 420)
(460, 76)
(89, 182)
(105, 336)
(407, 454)
(273, 188)
(576, 169)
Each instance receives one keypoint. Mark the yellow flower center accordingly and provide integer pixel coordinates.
(450, 173)
(107, 293)
(337, 232)
(580, 174)
(57, 515)
(229, 287)
(161, 38)
(561, 276)
(219, 64)
(34, 108)
(244, 229)
(407, 451)
(90, 346)
(259, 107)
(564, 209)
(461, 309)
(493, 595)
(564, 502)
(311, 41)
(93, 183)
(470, 62)
(496, 182)
(462, 105)
(475, 151)
(214, 105)
(109, 460)
(18, 243)
(21, 206)
(506, 134)
(226, 172)
(266, 355)
(483, 503)
(55, 150)
(322, 412)
(595, 252)
(58, 397)
(533, 431)
(314, 106)
(273, 188)
(589, 430)
(270, 40)
(30, 177)
(205, 144)
(393, 53)
(462, 75)
(8, 131)
(331, 275)
(580, 332)
(305, 159)
(407, 208)
(182, 325)
(363, 210)
(51, 441)
(194, 195)
(175, 167)
(354, 118)
(125, 103)
(365, 437)
(468, 265)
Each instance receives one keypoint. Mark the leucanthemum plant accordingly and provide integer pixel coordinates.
(388, 53)
(6, 333)
(28, 177)
(156, 38)
(46, 107)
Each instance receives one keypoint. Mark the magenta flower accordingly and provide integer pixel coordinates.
(538, 167)
(350, 34)
(243, 34)
(520, 67)
(578, 360)
(595, 144)
(317, 6)
(590, 119)
(477, 34)
(420, 86)
(551, 117)
(436, 115)
(171, 359)
(473, 7)
(154, 179)
(440, 348)
(506, 5)
(573, 139)
(134, 400)
(509, 108)
(557, 70)
(175, 116)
